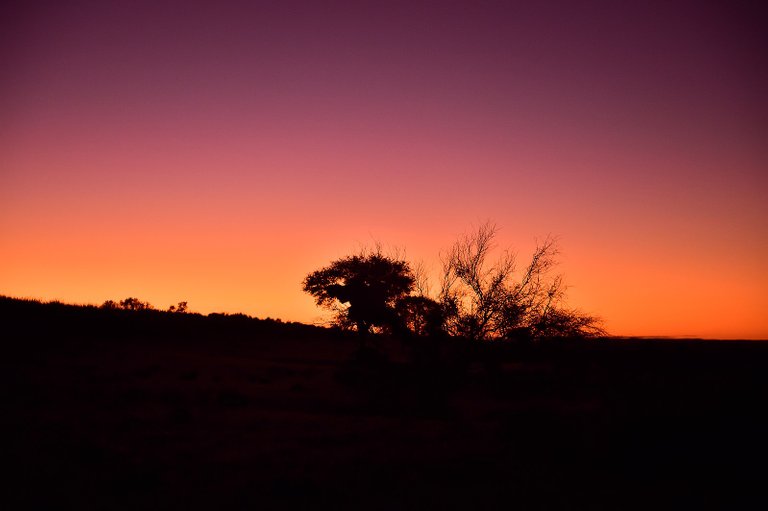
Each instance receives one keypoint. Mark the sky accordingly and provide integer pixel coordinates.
(217, 152)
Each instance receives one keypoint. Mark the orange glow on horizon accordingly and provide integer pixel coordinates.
(258, 270)
(219, 156)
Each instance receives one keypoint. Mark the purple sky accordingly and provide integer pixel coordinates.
(139, 134)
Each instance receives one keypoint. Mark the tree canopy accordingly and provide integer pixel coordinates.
(362, 289)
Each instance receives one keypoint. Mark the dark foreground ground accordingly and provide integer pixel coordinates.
(153, 411)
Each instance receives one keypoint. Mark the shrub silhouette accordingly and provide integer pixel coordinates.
(130, 304)
(179, 308)
(363, 290)
(134, 304)
(421, 315)
(484, 301)
(110, 305)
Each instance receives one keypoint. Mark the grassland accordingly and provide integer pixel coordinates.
(151, 410)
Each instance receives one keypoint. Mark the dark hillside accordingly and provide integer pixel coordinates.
(112, 409)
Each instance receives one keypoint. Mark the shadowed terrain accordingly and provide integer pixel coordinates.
(115, 409)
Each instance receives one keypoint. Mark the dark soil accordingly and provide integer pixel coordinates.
(148, 410)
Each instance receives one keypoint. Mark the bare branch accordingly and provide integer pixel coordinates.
(488, 303)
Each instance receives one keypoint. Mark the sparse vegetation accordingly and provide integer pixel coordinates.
(179, 308)
(134, 304)
(478, 299)
(487, 300)
(114, 409)
(129, 304)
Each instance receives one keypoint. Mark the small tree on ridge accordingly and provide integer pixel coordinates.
(363, 290)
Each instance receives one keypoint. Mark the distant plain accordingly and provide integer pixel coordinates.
(152, 410)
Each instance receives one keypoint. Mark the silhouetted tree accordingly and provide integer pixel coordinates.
(110, 305)
(420, 315)
(179, 308)
(363, 290)
(134, 304)
(482, 301)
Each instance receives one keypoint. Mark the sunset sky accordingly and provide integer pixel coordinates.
(217, 152)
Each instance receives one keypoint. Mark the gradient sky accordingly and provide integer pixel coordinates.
(217, 152)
